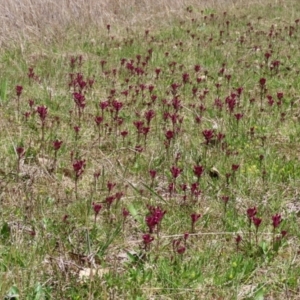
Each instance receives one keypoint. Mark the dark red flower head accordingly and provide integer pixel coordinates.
(42, 111)
(235, 167)
(125, 212)
(175, 171)
(198, 170)
(169, 135)
(96, 207)
(262, 82)
(208, 135)
(152, 173)
(19, 90)
(78, 167)
(57, 144)
(238, 116)
(20, 151)
(98, 120)
(154, 217)
(181, 250)
(110, 186)
(256, 221)
(195, 217)
(276, 220)
(225, 199)
(251, 212)
(238, 239)
(147, 239)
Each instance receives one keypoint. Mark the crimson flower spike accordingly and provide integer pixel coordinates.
(208, 135)
(78, 167)
(194, 217)
(152, 174)
(256, 221)
(235, 167)
(175, 172)
(42, 111)
(56, 145)
(20, 152)
(276, 220)
(238, 240)
(198, 171)
(19, 90)
(110, 186)
(147, 239)
(251, 212)
(154, 217)
(96, 207)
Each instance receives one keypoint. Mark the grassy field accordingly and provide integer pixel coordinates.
(149, 151)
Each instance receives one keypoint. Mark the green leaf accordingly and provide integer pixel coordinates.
(110, 237)
(259, 295)
(134, 213)
(154, 193)
(39, 292)
(3, 90)
(13, 293)
(5, 231)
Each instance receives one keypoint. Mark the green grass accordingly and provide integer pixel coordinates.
(51, 234)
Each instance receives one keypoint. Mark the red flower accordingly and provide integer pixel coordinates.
(98, 120)
(31, 103)
(149, 115)
(79, 100)
(185, 77)
(154, 217)
(42, 111)
(139, 126)
(198, 171)
(181, 250)
(57, 144)
(262, 82)
(238, 116)
(251, 212)
(125, 212)
(208, 135)
(197, 68)
(235, 167)
(78, 167)
(96, 207)
(103, 104)
(256, 221)
(279, 95)
(19, 90)
(147, 238)
(175, 171)
(276, 220)
(110, 186)
(152, 173)
(169, 135)
(238, 239)
(195, 217)
(117, 105)
(124, 133)
(225, 199)
(20, 151)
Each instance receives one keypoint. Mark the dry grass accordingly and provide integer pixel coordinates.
(44, 20)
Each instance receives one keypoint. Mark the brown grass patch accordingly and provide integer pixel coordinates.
(47, 20)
